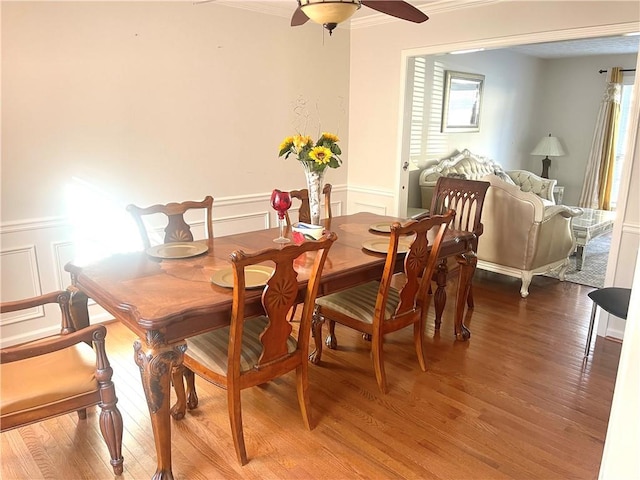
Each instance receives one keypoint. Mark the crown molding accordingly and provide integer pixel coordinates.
(280, 8)
(431, 8)
(285, 8)
(523, 39)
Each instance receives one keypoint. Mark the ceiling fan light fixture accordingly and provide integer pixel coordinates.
(329, 13)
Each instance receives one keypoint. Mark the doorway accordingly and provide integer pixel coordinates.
(617, 267)
(517, 111)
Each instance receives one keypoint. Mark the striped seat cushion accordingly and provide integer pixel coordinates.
(360, 302)
(211, 349)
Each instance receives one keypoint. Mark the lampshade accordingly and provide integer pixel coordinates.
(329, 12)
(549, 147)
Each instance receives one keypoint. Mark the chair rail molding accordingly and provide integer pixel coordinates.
(35, 250)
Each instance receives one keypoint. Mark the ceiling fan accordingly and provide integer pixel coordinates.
(329, 13)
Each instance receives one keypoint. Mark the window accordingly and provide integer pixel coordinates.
(625, 106)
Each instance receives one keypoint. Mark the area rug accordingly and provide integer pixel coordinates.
(594, 264)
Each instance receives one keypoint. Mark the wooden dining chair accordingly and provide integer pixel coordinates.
(304, 215)
(177, 229)
(304, 211)
(257, 349)
(59, 374)
(380, 307)
(466, 197)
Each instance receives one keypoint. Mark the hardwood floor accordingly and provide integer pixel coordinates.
(516, 401)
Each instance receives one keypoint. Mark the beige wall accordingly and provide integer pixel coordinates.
(377, 71)
(149, 102)
(573, 91)
(374, 148)
(153, 102)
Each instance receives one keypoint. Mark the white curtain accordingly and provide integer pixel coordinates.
(596, 189)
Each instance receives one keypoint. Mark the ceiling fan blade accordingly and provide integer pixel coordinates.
(397, 8)
(299, 17)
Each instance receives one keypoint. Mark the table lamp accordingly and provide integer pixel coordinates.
(549, 147)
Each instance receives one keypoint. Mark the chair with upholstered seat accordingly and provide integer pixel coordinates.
(524, 234)
(379, 307)
(304, 211)
(257, 349)
(613, 300)
(466, 197)
(177, 229)
(59, 374)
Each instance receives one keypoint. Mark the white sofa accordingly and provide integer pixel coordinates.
(465, 164)
(525, 233)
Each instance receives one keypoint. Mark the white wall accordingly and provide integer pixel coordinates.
(150, 102)
(375, 141)
(377, 80)
(508, 100)
(572, 91)
(525, 98)
(620, 459)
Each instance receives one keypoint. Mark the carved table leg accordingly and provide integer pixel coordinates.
(192, 396)
(316, 328)
(332, 341)
(470, 297)
(156, 360)
(440, 297)
(183, 400)
(180, 407)
(467, 262)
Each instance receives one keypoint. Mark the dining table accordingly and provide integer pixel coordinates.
(166, 300)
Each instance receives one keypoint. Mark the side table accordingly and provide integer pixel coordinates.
(589, 225)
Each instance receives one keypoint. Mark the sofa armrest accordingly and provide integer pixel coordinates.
(530, 182)
(562, 210)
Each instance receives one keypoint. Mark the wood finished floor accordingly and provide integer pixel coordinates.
(515, 402)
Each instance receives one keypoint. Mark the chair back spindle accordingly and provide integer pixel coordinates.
(466, 197)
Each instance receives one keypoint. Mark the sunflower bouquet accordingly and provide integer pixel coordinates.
(324, 153)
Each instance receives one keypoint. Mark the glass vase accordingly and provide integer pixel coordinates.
(315, 182)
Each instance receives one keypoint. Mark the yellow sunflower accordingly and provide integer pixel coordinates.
(286, 143)
(331, 137)
(320, 155)
(301, 141)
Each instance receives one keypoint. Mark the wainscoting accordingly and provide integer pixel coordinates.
(35, 251)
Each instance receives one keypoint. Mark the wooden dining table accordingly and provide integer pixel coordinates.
(165, 300)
